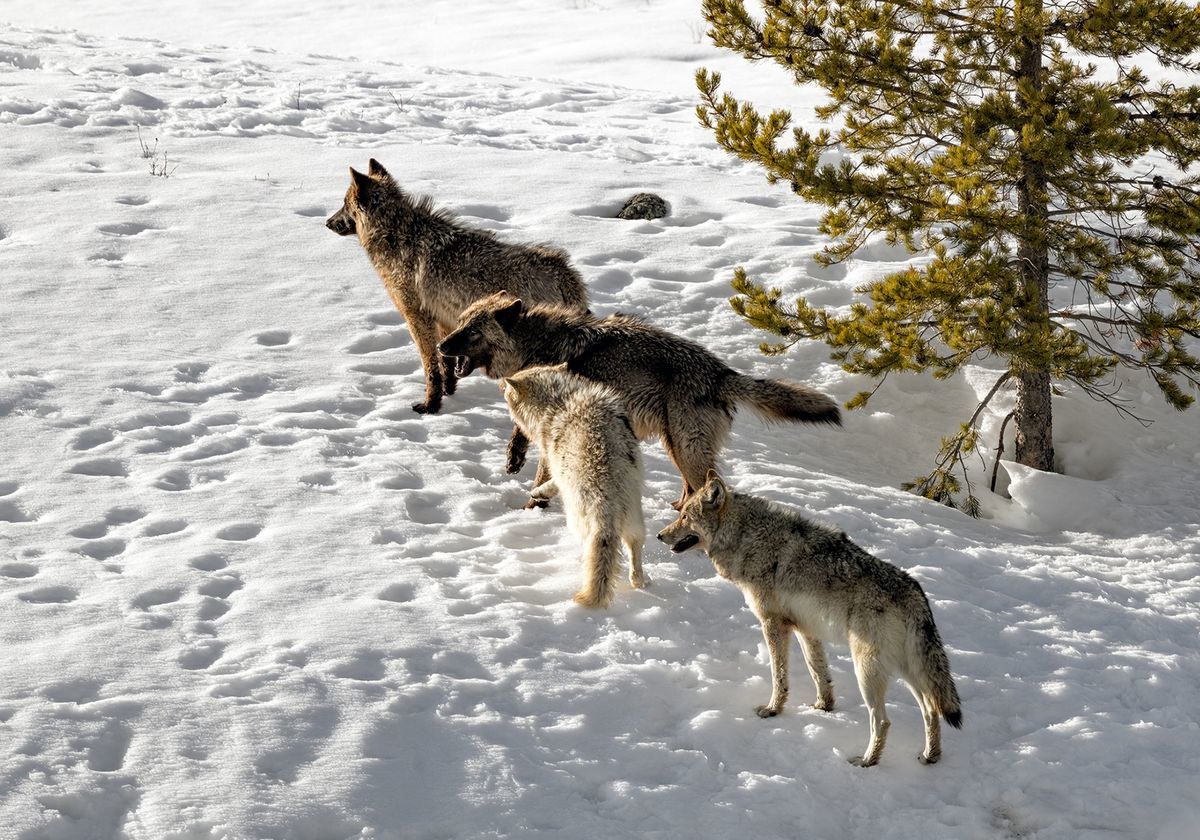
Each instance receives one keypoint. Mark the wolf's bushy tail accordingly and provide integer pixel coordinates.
(776, 400)
(935, 667)
(601, 567)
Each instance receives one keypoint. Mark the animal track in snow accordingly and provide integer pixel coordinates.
(273, 338)
(157, 597)
(214, 448)
(426, 508)
(91, 438)
(239, 531)
(163, 527)
(18, 570)
(111, 467)
(174, 481)
(11, 512)
(103, 549)
(210, 562)
(202, 654)
(49, 595)
(385, 318)
(90, 531)
(125, 228)
(377, 342)
(132, 200)
(122, 515)
(364, 666)
(398, 593)
(221, 586)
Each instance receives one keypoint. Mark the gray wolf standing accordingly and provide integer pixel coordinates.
(798, 575)
(594, 463)
(434, 266)
(673, 388)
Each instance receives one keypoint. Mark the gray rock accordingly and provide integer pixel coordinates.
(644, 206)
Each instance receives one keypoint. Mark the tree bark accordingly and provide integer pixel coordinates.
(1032, 414)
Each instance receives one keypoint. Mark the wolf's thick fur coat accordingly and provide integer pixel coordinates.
(673, 388)
(804, 577)
(433, 266)
(594, 465)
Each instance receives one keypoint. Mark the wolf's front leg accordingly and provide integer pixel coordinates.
(447, 365)
(518, 445)
(775, 632)
(424, 333)
(818, 669)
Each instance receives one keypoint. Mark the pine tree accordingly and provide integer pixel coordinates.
(1051, 196)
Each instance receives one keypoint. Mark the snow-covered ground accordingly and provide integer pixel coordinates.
(245, 592)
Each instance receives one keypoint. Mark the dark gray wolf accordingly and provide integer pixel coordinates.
(594, 464)
(801, 576)
(434, 266)
(673, 388)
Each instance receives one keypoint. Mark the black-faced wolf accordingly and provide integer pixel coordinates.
(673, 388)
(433, 266)
(594, 465)
(804, 577)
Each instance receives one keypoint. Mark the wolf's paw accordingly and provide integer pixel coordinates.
(536, 503)
(514, 461)
(823, 705)
(427, 407)
(858, 761)
(638, 580)
(929, 759)
(766, 711)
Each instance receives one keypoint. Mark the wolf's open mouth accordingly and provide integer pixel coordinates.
(685, 543)
(463, 366)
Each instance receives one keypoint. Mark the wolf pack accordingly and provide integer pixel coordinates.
(588, 389)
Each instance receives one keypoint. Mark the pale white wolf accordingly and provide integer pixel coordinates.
(808, 578)
(594, 463)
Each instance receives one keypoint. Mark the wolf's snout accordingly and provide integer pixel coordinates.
(662, 536)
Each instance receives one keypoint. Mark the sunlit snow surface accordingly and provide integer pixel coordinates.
(245, 592)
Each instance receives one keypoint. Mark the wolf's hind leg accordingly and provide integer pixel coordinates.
(818, 669)
(542, 477)
(775, 632)
(601, 562)
(872, 682)
(634, 539)
(692, 462)
(933, 728)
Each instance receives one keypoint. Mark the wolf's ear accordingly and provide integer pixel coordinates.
(362, 183)
(511, 383)
(561, 367)
(715, 493)
(507, 316)
(375, 170)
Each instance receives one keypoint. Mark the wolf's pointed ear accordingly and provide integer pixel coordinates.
(508, 315)
(375, 170)
(362, 183)
(715, 492)
(511, 383)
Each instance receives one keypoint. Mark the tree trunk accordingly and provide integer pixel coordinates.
(1032, 414)
(1032, 417)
